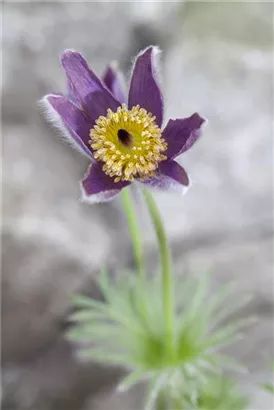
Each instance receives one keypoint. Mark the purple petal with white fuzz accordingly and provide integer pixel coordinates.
(114, 81)
(89, 98)
(171, 177)
(97, 186)
(64, 113)
(86, 88)
(181, 134)
(144, 89)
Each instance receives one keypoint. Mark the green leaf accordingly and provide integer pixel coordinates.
(101, 356)
(81, 301)
(154, 390)
(268, 387)
(87, 316)
(104, 283)
(225, 311)
(129, 330)
(132, 379)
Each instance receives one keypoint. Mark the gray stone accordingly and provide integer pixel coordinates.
(36, 33)
(55, 379)
(53, 245)
(225, 75)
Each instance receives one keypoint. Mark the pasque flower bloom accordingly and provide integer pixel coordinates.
(122, 136)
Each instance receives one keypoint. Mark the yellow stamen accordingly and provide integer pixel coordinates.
(129, 143)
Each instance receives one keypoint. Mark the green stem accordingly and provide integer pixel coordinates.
(166, 266)
(134, 231)
(161, 402)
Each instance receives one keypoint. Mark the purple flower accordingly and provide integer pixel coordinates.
(122, 136)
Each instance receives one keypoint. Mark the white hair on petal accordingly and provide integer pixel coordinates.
(121, 83)
(156, 55)
(97, 198)
(70, 50)
(55, 120)
(204, 122)
(165, 183)
(155, 59)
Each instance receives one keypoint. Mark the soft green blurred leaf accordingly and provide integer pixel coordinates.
(128, 329)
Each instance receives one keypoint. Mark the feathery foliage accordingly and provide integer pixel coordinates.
(128, 329)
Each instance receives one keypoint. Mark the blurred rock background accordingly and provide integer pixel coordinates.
(217, 60)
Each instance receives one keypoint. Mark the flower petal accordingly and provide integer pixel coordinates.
(98, 186)
(70, 119)
(114, 81)
(171, 177)
(181, 134)
(86, 87)
(144, 89)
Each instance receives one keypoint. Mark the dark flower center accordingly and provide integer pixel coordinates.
(124, 137)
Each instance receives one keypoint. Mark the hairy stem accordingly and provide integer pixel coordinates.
(134, 231)
(167, 288)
